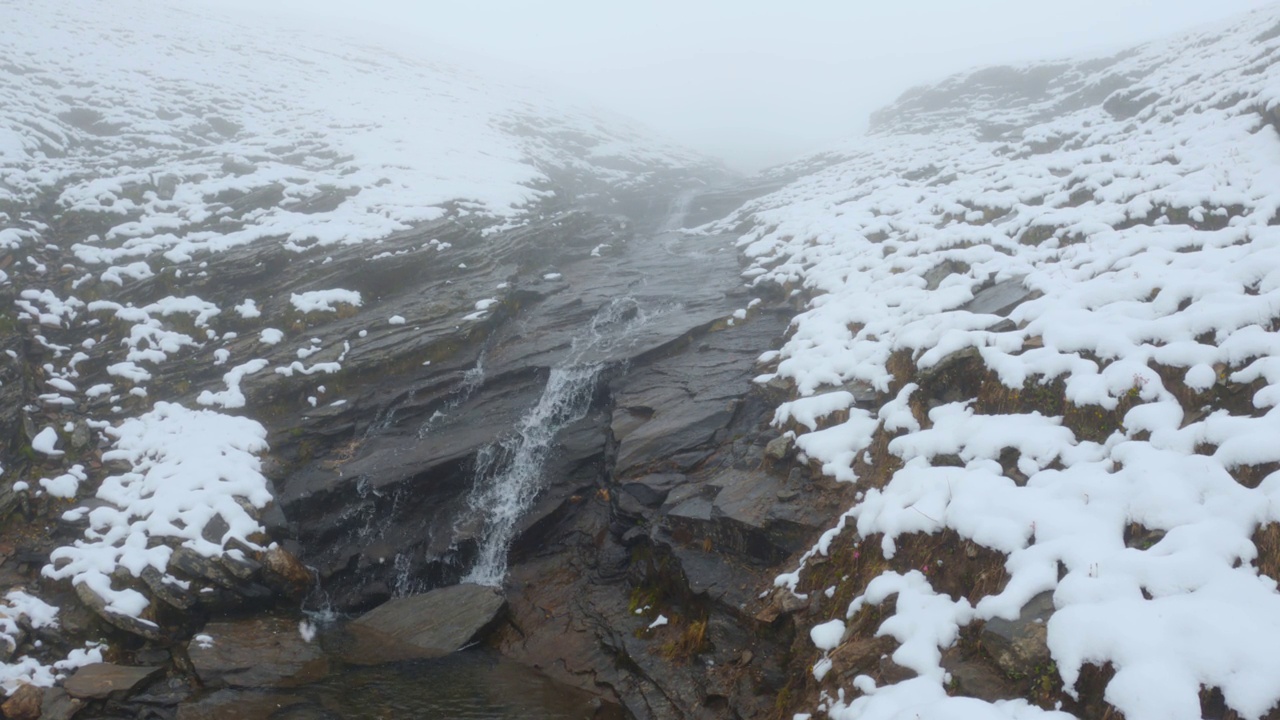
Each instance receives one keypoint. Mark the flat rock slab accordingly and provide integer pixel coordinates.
(256, 652)
(104, 680)
(1001, 298)
(428, 625)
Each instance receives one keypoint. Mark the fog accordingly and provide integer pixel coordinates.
(754, 83)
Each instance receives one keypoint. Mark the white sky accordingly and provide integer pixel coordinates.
(752, 82)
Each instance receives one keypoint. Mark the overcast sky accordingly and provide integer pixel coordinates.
(752, 82)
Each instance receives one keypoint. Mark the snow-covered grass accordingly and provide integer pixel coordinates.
(1135, 205)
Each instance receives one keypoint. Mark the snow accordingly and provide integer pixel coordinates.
(1140, 247)
(20, 608)
(232, 397)
(395, 320)
(658, 622)
(66, 484)
(324, 300)
(45, 442)
(248, 310)
(827, 635)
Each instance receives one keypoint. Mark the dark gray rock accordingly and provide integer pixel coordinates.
(1019, 646)
(129, 624)
(646, 494)
(59, 705)
(934, 276)
(1001, 298)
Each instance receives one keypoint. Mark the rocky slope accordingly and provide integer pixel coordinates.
(277, 312)
(296, 326)
(1039, 345)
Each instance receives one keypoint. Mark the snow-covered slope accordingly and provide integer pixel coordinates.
(152, 119)
(1063, 283)
(139, 141)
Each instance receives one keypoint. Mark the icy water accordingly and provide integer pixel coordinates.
(473, 685)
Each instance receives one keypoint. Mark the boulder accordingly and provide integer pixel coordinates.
(428, 625)
(257, 652)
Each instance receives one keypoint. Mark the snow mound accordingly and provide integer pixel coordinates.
(188, 468)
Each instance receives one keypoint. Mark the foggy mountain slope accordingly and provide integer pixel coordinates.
(1059, 284)
(102, 108)
(204, 223)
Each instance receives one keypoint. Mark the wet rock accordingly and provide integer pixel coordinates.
(1021, 645)
(132, 625)
(105, 680)
(256, 652)
(198, 566)
(778, 448)
(59, 705)
(438, 622)
(166, 591)
(284, 573)
(24, 703)
(974, 678)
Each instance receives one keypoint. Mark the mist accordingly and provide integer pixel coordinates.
(753, 83)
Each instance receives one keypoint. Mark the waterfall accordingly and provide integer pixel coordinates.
(508, 473)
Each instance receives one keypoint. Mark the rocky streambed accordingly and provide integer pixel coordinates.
(590, 449)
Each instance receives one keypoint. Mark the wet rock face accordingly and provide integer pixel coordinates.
(660, 500)
(379, 494)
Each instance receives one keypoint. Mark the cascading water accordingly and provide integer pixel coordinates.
(508, 474)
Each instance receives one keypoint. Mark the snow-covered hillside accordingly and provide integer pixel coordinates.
(140, 141)
(1062, 285)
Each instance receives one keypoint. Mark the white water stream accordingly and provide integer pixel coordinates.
(508, 474)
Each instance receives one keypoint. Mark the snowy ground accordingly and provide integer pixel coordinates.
(135, 136)
(1137, 201)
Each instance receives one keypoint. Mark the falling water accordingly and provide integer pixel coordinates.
(508, 474)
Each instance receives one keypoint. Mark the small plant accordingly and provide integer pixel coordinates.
(1139, 382)
(692, 640)
(344, 453)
